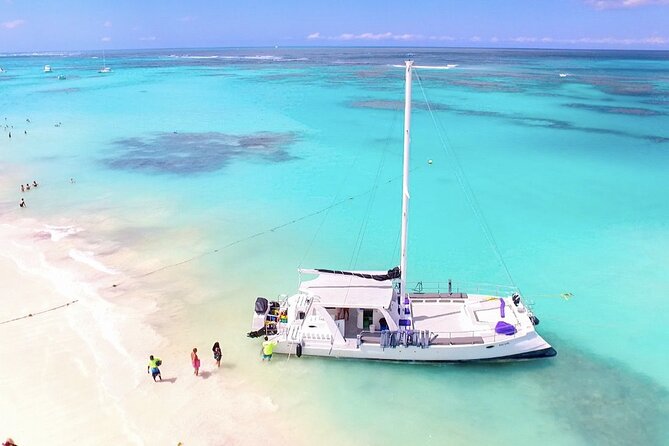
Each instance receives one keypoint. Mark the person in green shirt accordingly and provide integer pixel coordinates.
(153, 367)
(268, 349)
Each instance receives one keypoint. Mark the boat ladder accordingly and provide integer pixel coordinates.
(302, 306)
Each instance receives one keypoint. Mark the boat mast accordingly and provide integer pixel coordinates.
(405, 178)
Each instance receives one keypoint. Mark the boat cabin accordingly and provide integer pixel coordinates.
(347, 305)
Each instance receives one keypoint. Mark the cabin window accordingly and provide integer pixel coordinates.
(367, 318)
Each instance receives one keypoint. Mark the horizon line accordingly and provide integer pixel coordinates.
(28, 52)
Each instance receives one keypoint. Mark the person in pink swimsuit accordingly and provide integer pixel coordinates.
(195, 361)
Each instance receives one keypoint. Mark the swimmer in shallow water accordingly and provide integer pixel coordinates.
(22, 204)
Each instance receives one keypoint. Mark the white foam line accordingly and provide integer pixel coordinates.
(87, 258)
(58, 233)
(430, 67)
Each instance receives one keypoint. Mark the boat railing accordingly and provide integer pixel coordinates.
(461, 287)
(488, 336)
(426, 338)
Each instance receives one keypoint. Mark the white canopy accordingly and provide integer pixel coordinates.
(345, 291)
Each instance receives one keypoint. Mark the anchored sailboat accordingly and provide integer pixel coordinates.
(105, 68)
(372, 315)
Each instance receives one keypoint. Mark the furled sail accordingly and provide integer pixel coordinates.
(392, 274)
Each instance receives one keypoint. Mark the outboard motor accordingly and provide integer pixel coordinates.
(261, 309)
(534, 320)
(262, 305)
(516, 299)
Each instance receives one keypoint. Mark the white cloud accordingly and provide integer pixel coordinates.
(441, 38)
(13, 24)
(107, 24)
(148, 38)
(105, 39)
(523, 40)
(387, 36)
(618, 4)
(655, 40)
(652, 40)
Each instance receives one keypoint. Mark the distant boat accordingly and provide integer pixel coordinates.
(61, 77)
(105, 68)
(564, 74)
(47, 69)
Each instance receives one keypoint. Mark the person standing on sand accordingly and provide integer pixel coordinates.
(195, 361)
(152, 368)
(217, 353)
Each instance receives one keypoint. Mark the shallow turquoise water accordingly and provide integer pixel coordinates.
(570, 173)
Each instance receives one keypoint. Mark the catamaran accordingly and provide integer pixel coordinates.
(377, 315)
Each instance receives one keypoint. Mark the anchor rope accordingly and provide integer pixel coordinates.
(261, 233)
(39, 312)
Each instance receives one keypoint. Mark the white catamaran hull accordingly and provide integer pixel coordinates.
(530, 346)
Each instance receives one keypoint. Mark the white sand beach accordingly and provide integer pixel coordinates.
(76, 371)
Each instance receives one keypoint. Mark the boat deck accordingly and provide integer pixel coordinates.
(460, 318)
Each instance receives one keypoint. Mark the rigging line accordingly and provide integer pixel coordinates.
(334, 199)
(39, 312)
(357, 249)
(465, 187)
(396, 250)
(260, 233)
(372, 199)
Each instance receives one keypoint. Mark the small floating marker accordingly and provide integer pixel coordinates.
(429, 161)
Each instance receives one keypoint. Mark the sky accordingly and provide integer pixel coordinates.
(50, 25)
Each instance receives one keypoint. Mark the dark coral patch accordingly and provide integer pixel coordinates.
(187, 153)
(385, 104)
(635, 111)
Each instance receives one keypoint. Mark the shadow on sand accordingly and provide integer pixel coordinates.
(168, 380)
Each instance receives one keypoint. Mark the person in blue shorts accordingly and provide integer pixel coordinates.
(268, 349)
(153, 367)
